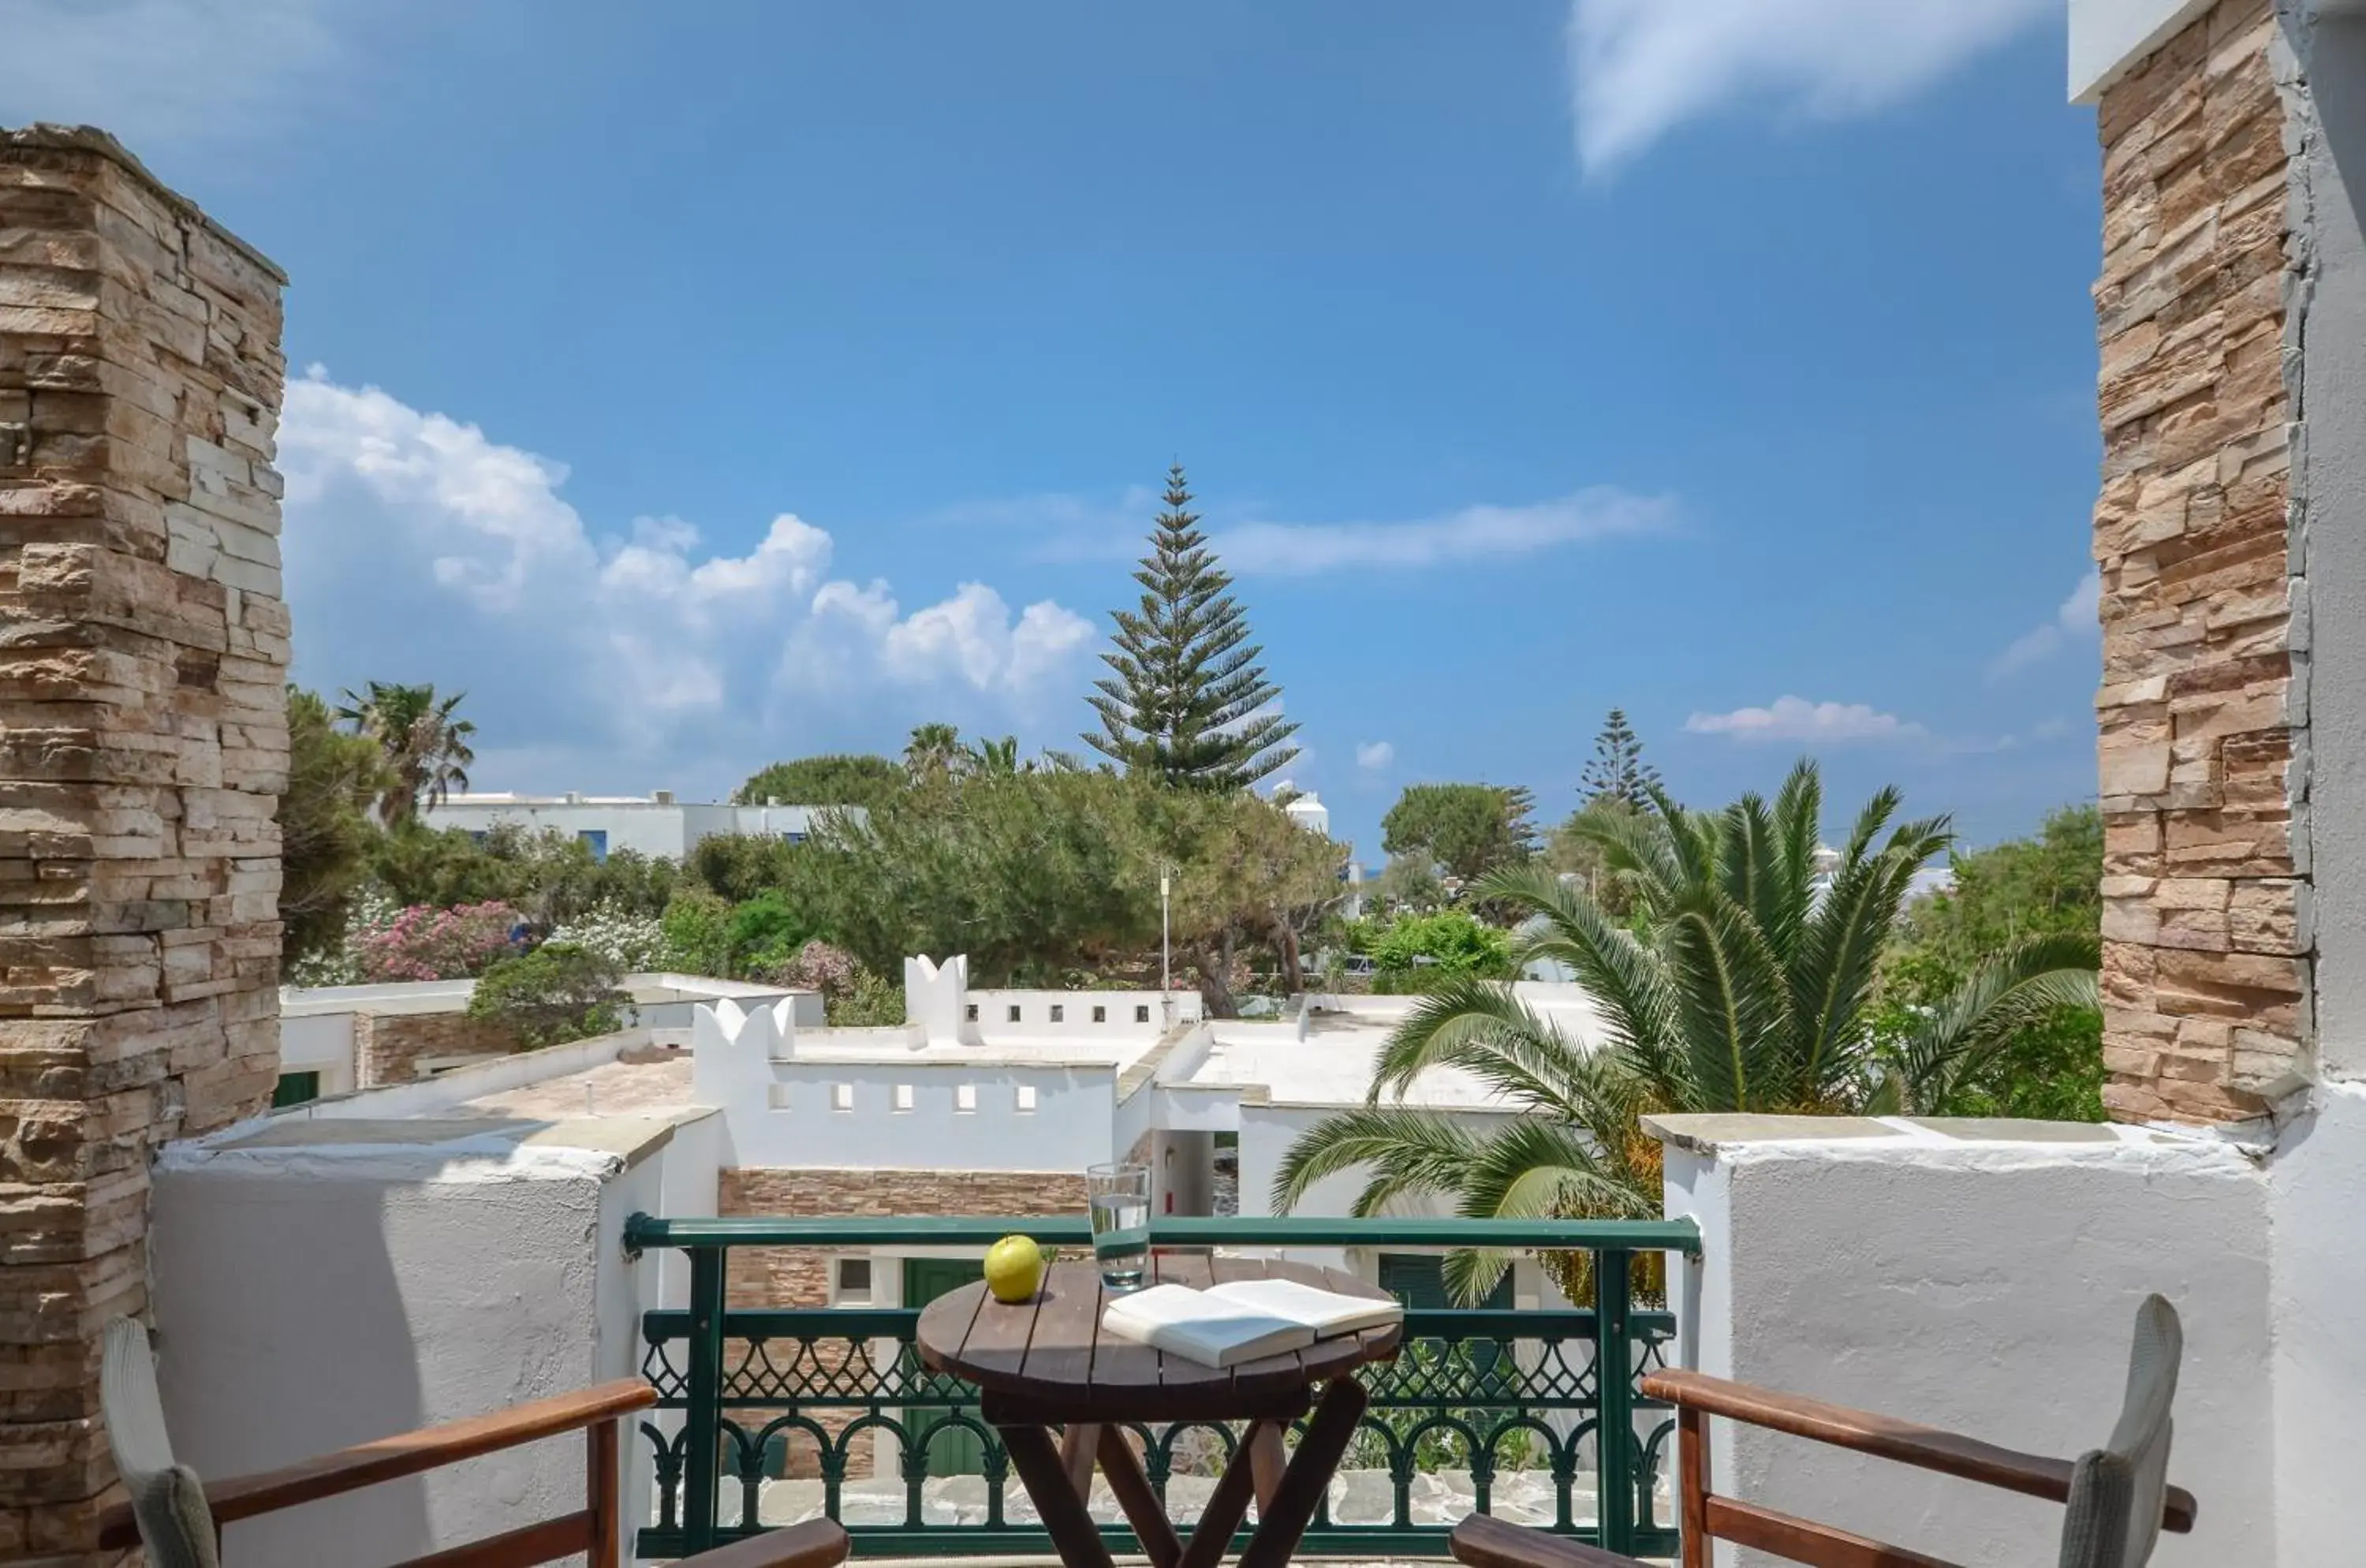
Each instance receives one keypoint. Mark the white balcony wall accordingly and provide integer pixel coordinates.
(1987, 1286)
(315, 1287)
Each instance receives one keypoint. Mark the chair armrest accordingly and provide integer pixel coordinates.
(1885, 1436)
(1483, 1541)
(816, 1543)
(388, 1459)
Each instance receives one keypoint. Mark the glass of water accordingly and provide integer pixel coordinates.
(1118, 1198)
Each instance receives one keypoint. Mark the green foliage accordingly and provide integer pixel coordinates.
(836, 780)
(557, 992)
(763, 932)
(550, 875)
(1185, 702)
(1418, 951)
(2051, 1065)
(1466, 830)
(1039, 877)
(324, 827)
(1618, 773)
(425, 748)
(741, 866)
(697, 939)
(1576, 849)
(872, 1000)
(1736, 983)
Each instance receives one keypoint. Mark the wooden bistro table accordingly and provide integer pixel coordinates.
(1046, 1362)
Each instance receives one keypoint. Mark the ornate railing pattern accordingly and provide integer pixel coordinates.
(1505, 1399)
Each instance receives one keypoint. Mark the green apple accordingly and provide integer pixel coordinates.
(1014, 1268)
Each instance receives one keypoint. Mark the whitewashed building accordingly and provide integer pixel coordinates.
(656, 824)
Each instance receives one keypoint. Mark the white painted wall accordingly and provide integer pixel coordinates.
(798, 1124)
(304, 1305)
(2319, 1303)
(651, 827)
(1989, 1288)
(2108, 38)
(322, 1044)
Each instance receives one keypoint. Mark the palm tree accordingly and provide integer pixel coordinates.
(999, 757)
(427, 748)
(932, 752)
(1742, 980)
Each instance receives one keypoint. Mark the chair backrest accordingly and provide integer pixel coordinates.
(2116, 1491)
(175, 1526)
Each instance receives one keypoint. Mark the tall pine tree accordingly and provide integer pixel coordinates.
(1185, 700)
(1619, 772)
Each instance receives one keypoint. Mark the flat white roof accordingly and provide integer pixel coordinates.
(1333, 1065)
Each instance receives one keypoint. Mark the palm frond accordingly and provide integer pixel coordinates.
(2009, 989)
(1733, 1003)
(1409, 1151)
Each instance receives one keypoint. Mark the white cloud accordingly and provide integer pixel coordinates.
(2075, 621)
(1798, 719)
(164, 71)
(1640, 68)
(419, 547)
(1473, 533)
(1375, 755)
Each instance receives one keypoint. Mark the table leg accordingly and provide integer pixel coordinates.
(1036, 1459)
(1133, 1493)
(1268, 1460)
(1080, 1441)
(1330, 1431)
(1228, 1505)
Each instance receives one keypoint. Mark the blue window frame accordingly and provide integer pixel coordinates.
(596, 838)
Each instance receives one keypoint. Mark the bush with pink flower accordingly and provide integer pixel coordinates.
(423, 942)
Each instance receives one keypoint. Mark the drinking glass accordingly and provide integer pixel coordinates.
(1118, 1195)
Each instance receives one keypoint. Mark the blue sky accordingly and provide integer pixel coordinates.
(703, 386)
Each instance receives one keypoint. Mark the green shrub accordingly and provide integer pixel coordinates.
(1413, 952)
(557, 992)
(697, 939)
(764, 932)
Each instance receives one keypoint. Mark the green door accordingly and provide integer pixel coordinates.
(952, 1451)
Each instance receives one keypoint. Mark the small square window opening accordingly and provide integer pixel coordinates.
(1142, 1014)
(903, 1097)
(1026, 1099)
(842, 1097)
(854, 1281)
(1058, 1012)
(1014, 1012)
(965, 1098)
(1100, 1015)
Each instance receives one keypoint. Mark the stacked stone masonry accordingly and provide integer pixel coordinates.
(2203, 713)
(389, 1047)
(143, 648)
(787, 1276)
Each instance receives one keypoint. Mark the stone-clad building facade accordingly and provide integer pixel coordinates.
(143, 648)
(2199, 539)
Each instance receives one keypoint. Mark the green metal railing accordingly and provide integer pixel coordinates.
(748, 1396)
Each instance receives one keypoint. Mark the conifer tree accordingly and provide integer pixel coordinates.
(1186, 701)
(1619, 772)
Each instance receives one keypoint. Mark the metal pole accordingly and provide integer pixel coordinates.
(1614, 1391)
(1165, 971)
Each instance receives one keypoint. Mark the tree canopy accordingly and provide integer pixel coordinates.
(324, 830)
(831, 780)
(1186, 701)
(424, 744)
(1618, 772)
(1041, 876)
(1468, 829)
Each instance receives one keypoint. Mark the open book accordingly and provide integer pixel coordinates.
(1241, 1320)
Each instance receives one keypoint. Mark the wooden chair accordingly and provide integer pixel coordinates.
(179, 1520)
(2118, 1496)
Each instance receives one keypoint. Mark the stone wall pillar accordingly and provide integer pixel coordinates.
(2203, 706)
(143, 742)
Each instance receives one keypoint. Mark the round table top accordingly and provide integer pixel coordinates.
(1050, 1355)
